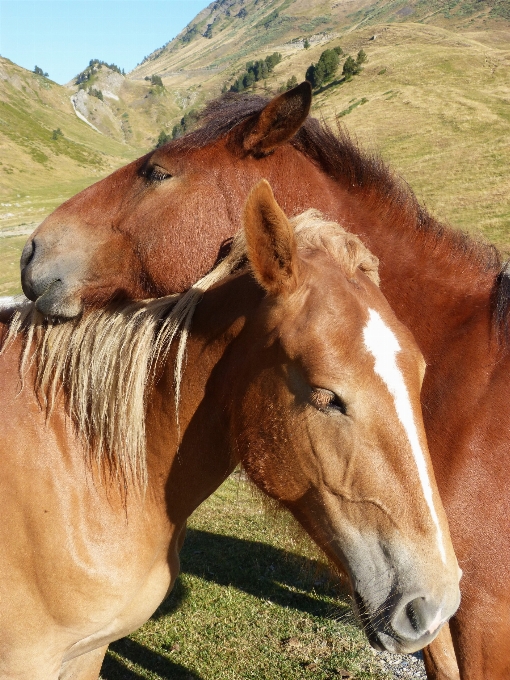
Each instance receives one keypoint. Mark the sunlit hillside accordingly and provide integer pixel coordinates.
(433, 99)
(46, 152)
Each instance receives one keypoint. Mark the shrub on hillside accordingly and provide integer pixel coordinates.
(39, 72)
(96, 93)
(269, 19)
(353, 66)
(361, 58)
(291, 82)
(187, 123)
(163, 138)
(191, 32)
(350, 68)
(255, 71)
(56, 134)
(324, 70)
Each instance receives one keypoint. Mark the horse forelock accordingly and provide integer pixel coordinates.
(104, 362)
(313, 232)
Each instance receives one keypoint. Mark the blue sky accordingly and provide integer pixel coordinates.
(61, 36)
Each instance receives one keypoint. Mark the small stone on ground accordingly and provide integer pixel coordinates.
(406, 666)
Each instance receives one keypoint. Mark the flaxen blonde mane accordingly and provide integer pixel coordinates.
(105, 360)
(313, 232)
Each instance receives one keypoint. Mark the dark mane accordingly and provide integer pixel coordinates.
(341, 158)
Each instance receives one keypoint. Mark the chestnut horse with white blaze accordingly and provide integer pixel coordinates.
(156, 225)
(296, 367)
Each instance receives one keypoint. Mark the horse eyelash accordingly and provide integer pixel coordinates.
(157, 175)
(323, 399)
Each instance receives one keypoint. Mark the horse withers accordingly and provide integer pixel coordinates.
(293, 365)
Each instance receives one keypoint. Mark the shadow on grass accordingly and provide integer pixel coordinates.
(333, 83)
(114, 669)
(259, 569)
(253, 567)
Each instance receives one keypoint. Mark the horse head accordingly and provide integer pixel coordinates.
(326, 415)
(156, 225)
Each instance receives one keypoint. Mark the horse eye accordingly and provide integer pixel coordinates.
(157, 174)
(323, 400)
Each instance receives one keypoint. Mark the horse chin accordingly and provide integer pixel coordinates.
(56, 301)
(384, 642)
(387, 643)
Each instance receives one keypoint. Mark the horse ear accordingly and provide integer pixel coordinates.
(278, 121)
(270, 241)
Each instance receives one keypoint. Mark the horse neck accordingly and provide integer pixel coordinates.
(192, 455)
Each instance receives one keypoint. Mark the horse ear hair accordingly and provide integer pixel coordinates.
(278, 121)
(270, 241)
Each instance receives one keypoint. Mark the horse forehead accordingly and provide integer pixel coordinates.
(324, 318)
(326, 323)
(333, 298)
(204, 156)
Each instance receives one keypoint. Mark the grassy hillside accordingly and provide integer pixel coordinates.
(39, 169)
(436, 105)
(433, 100)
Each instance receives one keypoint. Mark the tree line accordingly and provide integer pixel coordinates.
(326, 68)
(255, 71)
(94, 66)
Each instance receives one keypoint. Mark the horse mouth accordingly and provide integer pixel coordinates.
(55, 301)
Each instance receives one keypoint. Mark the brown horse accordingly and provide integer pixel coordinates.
(154, 226)
(300, 371)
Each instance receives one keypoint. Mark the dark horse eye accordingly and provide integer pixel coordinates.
(156, 174)
(324, 400)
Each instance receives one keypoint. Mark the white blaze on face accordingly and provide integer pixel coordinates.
(382, 343)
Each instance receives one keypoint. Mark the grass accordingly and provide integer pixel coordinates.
(351, 108)
(252, 601)
(10, 251)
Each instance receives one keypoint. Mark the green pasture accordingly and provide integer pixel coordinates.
(252, 601)
(10, 251)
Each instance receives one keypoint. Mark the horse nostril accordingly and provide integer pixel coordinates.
(416, 618)
(28, 253)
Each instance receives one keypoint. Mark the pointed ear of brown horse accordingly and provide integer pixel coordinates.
(270, 240)
(278, 121)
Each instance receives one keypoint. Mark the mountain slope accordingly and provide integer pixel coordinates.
(230, 30)
(129, 110)
(46, 151)
(433, 98)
